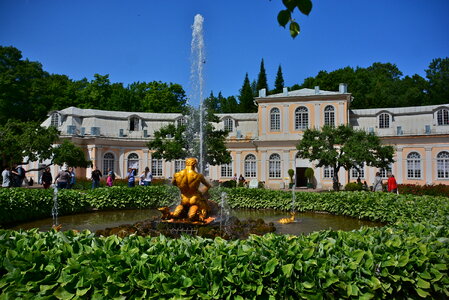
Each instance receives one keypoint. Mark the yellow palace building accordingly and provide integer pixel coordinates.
(263, 144)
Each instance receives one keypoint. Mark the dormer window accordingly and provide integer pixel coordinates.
(181, 122)
(229, 124)
(54, 121)
(384, 120)
(443, 117)
(134, 124)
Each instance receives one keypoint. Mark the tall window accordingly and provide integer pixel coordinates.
(181, 121)
(329, 116)
(180, 164)
(328, 172)
(443, 165)
(274, 166)
(384, 171)
(54, 121)
(134, 124)
(443, 117)
(228, 124)
(301, 118)
(275, 119)
(133, 161)
(413, 165)
(108, 163)
(156, 167)
(358, 173)
(250, 166)
(384, 121)
(226, 170)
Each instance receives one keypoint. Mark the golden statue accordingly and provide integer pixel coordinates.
(288, 220)
(193, 204)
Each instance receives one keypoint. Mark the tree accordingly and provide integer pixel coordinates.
(246, 98)
(344, 147)
(279, 82)
(438, 76)
(262, 78)
(30, 141)
(285, 16)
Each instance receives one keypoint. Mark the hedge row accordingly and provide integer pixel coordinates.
(407, 259)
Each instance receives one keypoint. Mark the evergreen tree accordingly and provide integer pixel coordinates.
(279, 82)
(246, 102)
(262, 78)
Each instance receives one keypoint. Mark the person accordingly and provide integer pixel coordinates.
(146, 177)
(392, 186)
(131, 178)
(6, 175)
(110, 178)
(18, 174)
(63, 178)
(72, 180)
(192, 200)
(365, 186)
(359, 181)
(46, 179)
(96, 176)
(241, 178)
(30, 182)
(377, 184)
(235, 177)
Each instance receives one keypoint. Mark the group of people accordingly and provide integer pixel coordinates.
(65, 179)
(13, 177)
(392, 186)
(145, 178)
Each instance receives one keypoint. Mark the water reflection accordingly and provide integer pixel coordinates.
(305, 222)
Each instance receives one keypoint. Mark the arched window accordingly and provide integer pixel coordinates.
(180, 164)
(108, 163)
(413, 165)
(54, 121)
(181, 121)
(134, 124)
(443, 165)
(229, 124)
(274, 166)
(384, 121)
(250, 166)
(329, 116)
(133, 162)
(443, 117)
(275, 119)
(301, 118)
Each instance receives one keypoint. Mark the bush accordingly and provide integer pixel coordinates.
(428, 189)
(354, 186)
(229, 184)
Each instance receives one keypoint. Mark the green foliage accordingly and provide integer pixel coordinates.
(285, 16)
(229, 184)
(291, 173)
(354, 186)
(309, 173)
(246, 97)
(438, 76)
(428, 189)
(343, 147)
(407, 260)
(279, 81)
(262, 82)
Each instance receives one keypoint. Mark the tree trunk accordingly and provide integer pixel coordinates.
(335, 182)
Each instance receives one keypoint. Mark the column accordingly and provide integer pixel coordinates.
(341, 113)
(91, 157)
(99, 156)
(285, 118)
(263, 120)
(145, 158)
(399, 165)
(263, 166)
(317, 116)
(238, 163)
(285, 165)
(121, 163)
(428, 168)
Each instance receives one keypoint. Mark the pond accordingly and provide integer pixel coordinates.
(305, 222)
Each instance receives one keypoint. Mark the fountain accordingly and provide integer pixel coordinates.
(291, 219)
(54, 210)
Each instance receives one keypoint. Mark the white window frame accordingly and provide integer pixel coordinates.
(356, 173)
(274, 166)
(108, 162)
(443, 165)
(414, 165)
(180, 164)
(228, 124)
(133, 161)
(384, 171)
(134, 121)
(181, 121)
(443, 117)
(250, 166)
(226, 170)
(275, 119)
(156, 167)
(55, 120)
(328, 172)
(301, 118)
(384, 120)
(329, 116)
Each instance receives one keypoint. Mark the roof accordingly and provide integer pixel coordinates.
(92, 113)
(302, 92)
(399, 110)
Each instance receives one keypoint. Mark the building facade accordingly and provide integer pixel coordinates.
(263, 144)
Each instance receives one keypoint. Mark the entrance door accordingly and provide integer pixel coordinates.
(301, 180)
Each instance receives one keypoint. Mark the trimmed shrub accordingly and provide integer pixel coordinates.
(354, 186)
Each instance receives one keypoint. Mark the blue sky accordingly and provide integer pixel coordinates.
(146, 40)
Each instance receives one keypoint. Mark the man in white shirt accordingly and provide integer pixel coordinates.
(6, 177)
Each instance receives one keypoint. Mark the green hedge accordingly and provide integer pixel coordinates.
(407, 259)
